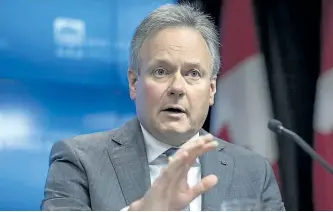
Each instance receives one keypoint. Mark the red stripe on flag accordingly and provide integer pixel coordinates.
(327, 35)
(275, 167)
(237, 23)
(225, 133)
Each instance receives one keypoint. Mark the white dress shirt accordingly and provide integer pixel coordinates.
(157, 160)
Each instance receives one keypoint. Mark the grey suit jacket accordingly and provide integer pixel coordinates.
(109, 170)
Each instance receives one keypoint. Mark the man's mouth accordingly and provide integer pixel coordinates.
(174, 109)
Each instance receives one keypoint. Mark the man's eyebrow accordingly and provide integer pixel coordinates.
(156, 61)
(164, 61)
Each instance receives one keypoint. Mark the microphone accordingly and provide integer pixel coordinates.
(277, 127)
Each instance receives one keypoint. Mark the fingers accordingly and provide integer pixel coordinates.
(171, 173)
(197, 148)
(204, 185)
(193, 146)
(194, 150)
(204, 139)
(188, 161)
(180, 164)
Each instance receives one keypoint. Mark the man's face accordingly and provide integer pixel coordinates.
(174, 87)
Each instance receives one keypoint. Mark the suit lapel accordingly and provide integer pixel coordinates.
(220, 164)
(130, 161)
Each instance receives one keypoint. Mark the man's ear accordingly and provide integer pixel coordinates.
(132, 80)
(212, 90)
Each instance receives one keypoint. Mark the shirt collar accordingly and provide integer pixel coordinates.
(154, 147)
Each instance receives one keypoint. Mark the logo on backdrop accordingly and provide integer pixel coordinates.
(69, 36)
(72, 41)
(69, 32)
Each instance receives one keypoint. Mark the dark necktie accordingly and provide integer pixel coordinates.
(169, 153)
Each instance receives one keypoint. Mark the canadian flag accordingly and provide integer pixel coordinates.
(243, 106)
(323, 115)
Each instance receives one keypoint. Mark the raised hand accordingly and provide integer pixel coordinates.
(171, 191)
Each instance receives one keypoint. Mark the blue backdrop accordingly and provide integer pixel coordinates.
(62, 73)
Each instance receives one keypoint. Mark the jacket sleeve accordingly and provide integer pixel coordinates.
(66, 184)
(271, 197)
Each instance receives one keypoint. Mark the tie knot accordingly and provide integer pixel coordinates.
(171, 151)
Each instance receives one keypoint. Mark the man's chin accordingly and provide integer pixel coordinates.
(175, 126)
(177, 130)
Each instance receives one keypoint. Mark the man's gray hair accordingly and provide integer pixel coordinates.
(176, 15)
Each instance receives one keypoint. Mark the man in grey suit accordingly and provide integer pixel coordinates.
(163, 159)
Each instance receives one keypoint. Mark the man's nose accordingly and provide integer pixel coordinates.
(177, 86)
